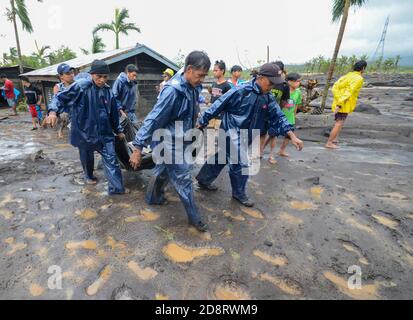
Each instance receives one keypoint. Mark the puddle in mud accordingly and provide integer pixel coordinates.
(232, 216)
(143, 274)
(104, 276)
(205, 236)
(227, 288)
(290, 218)
(115, 245)
(30, 233)
(277, 261)
(6, 214)
(393, 196)
(87, 214)
(303, 205)
(286, 286)
(254, 213)
(87, 245)
(387, 222)
(351, 248)
(36, 290)
(144, 216)
(352, 222)
(367, 291)
(184, 254)
(88, 263)
(316, 192)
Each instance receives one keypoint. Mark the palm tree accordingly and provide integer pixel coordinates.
(397, 61)
(341, 10)
(97, 46)
(18, 10)
(40, 53)
(118, 25)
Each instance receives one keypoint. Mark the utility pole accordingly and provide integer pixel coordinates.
(268, 54)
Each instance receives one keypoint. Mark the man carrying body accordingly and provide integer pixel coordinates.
(245, 108)
(176, 111)
(66, 76)
(124, 91)
(95, 121)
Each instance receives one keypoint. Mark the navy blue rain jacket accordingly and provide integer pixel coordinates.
(125, 93)
(246, 107)
(94, 114)
(178, 102)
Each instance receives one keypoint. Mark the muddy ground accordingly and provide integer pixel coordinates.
(318, 213)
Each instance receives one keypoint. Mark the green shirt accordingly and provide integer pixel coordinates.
(296, 99)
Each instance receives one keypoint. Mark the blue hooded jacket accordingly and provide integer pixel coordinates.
(94, 113)
(178, 101)
(246, 107)
(125, 93)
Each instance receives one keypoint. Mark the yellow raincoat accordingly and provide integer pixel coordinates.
(346, 91)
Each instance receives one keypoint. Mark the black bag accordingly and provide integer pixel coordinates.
(124, 150)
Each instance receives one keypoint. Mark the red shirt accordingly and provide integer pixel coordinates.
(9, 89)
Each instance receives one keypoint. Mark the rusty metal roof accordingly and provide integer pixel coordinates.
(83, 63)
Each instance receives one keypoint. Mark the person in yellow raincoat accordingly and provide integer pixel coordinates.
(346, 91)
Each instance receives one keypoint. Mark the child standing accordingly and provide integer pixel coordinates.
(236, 73)
(290, 109)
(219, 88)
(34, 100)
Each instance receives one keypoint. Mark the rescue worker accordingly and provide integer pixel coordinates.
(66, 76)
(178, 103)
(95, 122)
(245, 107)
(124, 91)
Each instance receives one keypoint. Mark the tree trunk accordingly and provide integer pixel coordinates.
(117, 40)
(336, 51)
(19, 52)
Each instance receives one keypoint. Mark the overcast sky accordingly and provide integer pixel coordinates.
(294, 30)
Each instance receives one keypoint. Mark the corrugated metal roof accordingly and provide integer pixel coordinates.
(83, 63)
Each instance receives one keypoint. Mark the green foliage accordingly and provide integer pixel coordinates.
(338, 7)
(118, 26)
(179, 59)
(60, 55)
(97, 46)
(345, 64)
(38, 59)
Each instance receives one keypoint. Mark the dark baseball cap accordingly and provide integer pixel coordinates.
(293, 77)
(64, 68)
(272, 72)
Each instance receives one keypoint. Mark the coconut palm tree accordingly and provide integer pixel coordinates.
(18, 11)
(341, 10)
(40, 54)
(97, 46)
(397, 62)
(118, 26)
